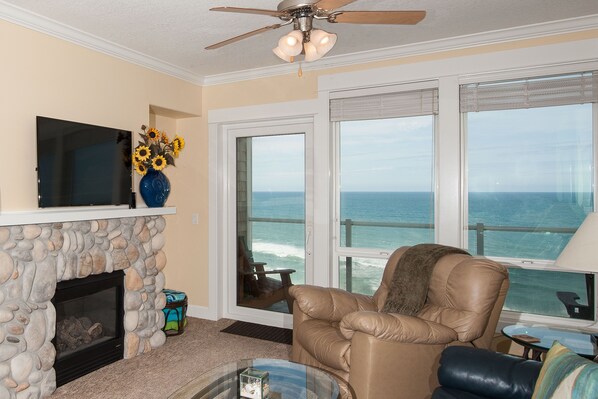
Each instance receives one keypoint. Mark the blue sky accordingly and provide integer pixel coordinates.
(506, 153)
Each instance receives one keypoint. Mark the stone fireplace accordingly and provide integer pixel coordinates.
(35, 257)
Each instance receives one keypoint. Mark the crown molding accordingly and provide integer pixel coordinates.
(19, 16)
(45, 25)
(571, 25)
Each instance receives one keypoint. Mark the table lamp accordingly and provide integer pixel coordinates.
(581, 254)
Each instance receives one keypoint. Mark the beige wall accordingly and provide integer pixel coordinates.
(42, 75)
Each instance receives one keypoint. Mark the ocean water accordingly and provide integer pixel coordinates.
(366, 217)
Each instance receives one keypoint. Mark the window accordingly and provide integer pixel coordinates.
(385, 180)
(530, 179)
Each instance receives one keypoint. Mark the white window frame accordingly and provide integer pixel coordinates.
(450, 149)
(373, 253)
(511, 317)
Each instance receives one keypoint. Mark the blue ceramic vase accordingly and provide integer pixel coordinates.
(154, 188)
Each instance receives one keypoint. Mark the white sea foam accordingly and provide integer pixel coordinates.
(278, 250)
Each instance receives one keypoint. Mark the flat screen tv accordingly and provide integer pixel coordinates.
(80, 164)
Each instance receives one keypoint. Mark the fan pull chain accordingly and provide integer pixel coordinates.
(300, 71)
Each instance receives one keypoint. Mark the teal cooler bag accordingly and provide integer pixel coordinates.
(175, 312)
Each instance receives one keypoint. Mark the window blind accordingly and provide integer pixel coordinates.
(387, 105)
(530, 93)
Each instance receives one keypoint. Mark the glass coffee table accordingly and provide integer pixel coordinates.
(540, 339)
(287, 380)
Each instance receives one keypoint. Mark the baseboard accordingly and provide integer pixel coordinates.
(201, 312)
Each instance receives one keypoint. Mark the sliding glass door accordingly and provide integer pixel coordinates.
(271, 230)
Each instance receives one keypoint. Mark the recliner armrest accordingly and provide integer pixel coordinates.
(488, 374)
(396, 327)
(329, 303)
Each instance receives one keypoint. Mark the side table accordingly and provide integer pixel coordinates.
(540, 339)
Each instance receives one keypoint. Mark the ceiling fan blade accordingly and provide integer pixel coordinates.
(272, 13)
(378, 17)
(243, 36)
(333, 4)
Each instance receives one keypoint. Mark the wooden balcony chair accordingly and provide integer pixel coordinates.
(254, 288)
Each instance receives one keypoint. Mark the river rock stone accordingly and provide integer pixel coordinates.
(49, 384)
(20, 388)
(4, 234)
(158, 339)
(21, 366)
(57, 240)
(160, 282)
(4, 370)
(27, 279)
(131, 320)
(25, 245)
(44, 284)
(144, 235)
(7, 352)
(160, 257)
(132, 253)
(35, 333)
(6, 315)
(88, 242)
(133, 281)
(15, 329)
(36, 377)
(47, 355)
(85, 265)
(94, 226)
(113, 234)
(132, 300)
(160, 319)
(9, 383)
(40, 251)
(132, 341)
(158, 241)
(7, 266)
(98, 258)
(160, 301)
(119, 242)
(32, 231)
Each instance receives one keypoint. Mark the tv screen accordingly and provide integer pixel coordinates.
(80, 164)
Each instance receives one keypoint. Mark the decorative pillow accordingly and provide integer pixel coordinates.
(565, 375)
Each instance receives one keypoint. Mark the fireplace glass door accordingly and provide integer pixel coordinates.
(89, 324)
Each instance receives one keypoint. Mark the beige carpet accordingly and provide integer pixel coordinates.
(157, 374)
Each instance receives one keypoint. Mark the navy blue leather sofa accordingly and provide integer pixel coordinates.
(470, 373)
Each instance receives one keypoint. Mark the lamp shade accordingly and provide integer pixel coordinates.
(311, 53)
(282, 55)
(322, 40)
(581, 253)
(292, 43)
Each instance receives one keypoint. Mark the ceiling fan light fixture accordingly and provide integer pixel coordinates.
(311, 52)
(292, 43)
(281, 54)
(322, 40)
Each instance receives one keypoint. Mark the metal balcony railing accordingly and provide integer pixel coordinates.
(480, 229)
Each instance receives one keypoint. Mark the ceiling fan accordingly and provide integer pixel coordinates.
(304, 39)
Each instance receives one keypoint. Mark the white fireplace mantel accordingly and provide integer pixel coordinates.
(77, 214)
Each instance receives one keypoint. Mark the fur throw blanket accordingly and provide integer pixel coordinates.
(411, 279)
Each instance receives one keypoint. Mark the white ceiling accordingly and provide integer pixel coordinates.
(175, 32)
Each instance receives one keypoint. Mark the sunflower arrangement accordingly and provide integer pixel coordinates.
(156, 151)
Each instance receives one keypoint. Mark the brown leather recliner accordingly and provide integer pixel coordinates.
(390, 355)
